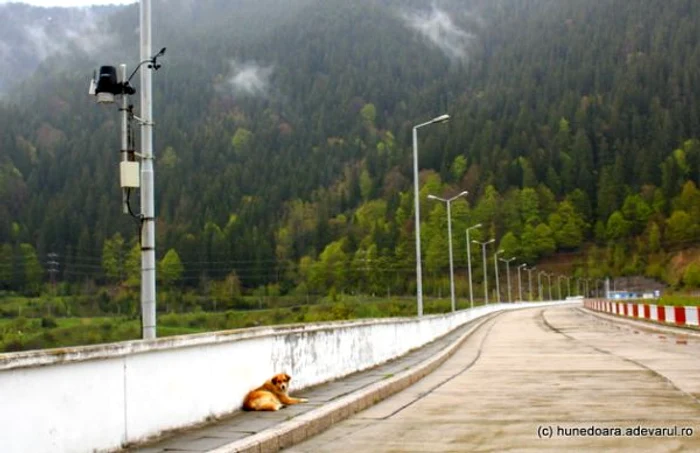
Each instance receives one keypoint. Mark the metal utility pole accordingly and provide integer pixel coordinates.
(105, 89)
(495, 268)
(449, 201)
(539, 284)
(559, 285)
(520, 283)
(416, 200)
(507, 261)
(469, 267)
(148, 227)
(486, 280)
(529, 280)
(52, 267)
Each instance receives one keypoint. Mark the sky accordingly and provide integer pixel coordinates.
(70, 2)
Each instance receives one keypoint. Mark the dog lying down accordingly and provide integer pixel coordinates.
(271, 396)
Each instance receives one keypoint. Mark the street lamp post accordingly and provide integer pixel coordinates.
(469, 266)
(448, 202)
(529, 280)
(419, 279)
(520, 283)
(486, 284)
(559, 285)
(495, 266)
(507, 261)
(539, 283)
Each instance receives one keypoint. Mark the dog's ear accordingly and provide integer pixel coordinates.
(274, 380)
(287, 377)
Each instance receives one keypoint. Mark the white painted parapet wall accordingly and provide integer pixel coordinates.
(102, 397)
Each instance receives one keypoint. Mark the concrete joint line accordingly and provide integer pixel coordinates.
(318, 420)
(639, 364)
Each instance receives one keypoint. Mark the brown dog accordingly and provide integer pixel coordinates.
(271, 396)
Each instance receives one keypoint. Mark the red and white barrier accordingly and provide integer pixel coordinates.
(682, 316)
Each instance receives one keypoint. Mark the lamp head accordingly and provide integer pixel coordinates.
(432, 197)
(441, 119)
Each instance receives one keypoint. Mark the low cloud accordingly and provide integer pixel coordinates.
(82, 31)
(440, 30)
(250, 79)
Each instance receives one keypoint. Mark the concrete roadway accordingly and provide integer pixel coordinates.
(524, 379)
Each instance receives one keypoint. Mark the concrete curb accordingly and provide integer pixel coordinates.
(314, 422)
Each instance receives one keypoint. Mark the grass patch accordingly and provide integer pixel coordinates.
(42, 331)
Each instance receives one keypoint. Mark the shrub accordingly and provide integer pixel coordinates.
(691, 276)
(48, 323)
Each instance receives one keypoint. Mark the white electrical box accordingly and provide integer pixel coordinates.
(129, 174)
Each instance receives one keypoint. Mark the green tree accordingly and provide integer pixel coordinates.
(241, 140)
(366, 185)
(529, 206)
(545, 244)
(171, 269)
(654, 238)
(510, 244)
(368, 113)
(637, 212)
(691, 276)
(688, 200)
(331, 269)
(132, 267)
(567, 226)
(6, 266)
(114, 258)
(618, 228)
(681, 228)
(33, 271)
(458, 167)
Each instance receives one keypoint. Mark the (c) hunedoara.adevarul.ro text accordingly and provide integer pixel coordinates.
(549, 431)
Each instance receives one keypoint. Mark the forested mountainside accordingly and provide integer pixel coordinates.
(283, 142)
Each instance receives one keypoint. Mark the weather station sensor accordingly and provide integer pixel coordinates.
(107, 85)
(136, 168)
